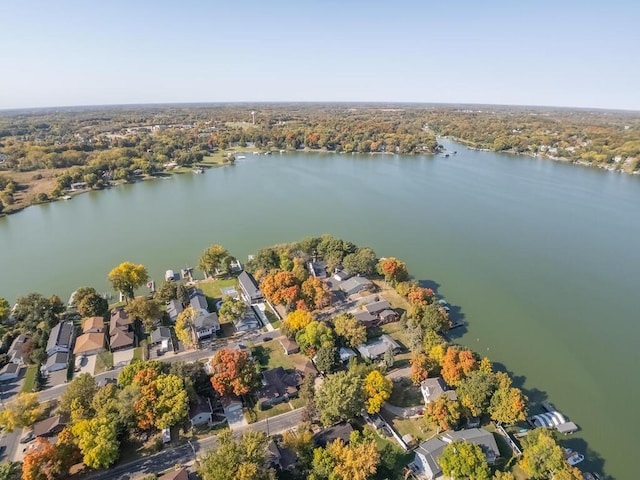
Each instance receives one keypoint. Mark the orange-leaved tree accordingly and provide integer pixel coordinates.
(457, 364)
(233, 372)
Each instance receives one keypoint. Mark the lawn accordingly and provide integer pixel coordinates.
(273, 411)
(137, 354)
(386, 291)
(104, 362)
(395, 330)
(405, 393)
(393, 461)
(30, 378)
(211, 288)
(416, 427)
(271, 355)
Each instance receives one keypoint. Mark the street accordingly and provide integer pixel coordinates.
(184, 454)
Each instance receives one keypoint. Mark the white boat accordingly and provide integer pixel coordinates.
(575, 459)
(198, 170)
(66, 197)
(241, 157)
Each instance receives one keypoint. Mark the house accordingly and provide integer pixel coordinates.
(388, 316)
(280, 457)
(206, 325)
(19, 350)
(346, 354)
(289, 346)
(49, 427)
(57, 361)
(249, 321)
(200, 411)
(198, 301)
(93, 325)
(161, 337)
(249, 288)
(434, 388)
(340, 431)
(232, 407)
(278, 385)
(341, 276)
(376, 349)
(376, 307)
(121, 340)
(366, 318)
(9, 372)
(90, 344)
(60, 338)
(120, 320)
(179, 474)
(356, 285)
(318, 269)
(174, 308)
(426, 463)
(381, 311)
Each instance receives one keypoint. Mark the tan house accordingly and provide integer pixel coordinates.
(89, 344)
(93, 325)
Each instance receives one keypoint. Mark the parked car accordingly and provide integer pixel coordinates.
(166, 435)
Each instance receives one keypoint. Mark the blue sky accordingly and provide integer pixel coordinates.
(560, 53)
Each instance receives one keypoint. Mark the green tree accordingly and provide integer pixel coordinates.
(315, 336)
(340, 397)
(327, 359)
(363, 262)
(168, 291)
(34, 309)
(81, 391)
(10, 470)
(98, 442)
(183, 294)
(464, 461)
(389, 358)
(184, 327)
(232, 309)
(5, 310)
(215, 259)
(241, 459)
(145, 310)
(126, 277)
(435, 318)
(93, 305)
(475, 392)
(350, 330)
(82, 292)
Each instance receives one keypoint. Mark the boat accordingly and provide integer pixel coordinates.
(66, 197)
(575, 459)
(198, 170)
(240, 157)
(169, 275)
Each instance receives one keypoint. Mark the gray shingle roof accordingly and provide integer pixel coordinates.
(249, 285)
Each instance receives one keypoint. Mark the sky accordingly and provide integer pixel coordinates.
(553, 53)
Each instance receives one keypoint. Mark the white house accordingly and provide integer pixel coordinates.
(200, 412)
(9, 372)
(206, 325)
(57, 361)
(60, 338)
(249, 288)
(434, 388)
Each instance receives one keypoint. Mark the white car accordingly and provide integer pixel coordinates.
(166, 435)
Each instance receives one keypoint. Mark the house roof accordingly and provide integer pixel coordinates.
(249, 284)
(198, 301)
(346, 354)
(342, 275)
(45, 427)
(376, 349)
(88, 342)
(180, 474)
(365, 317)
(484, 439)
(10, 368)
(203, 322)
(201, 405)
(120, 338)
(355, 284)
(56, 358)
(377, 307)
(159, 334)
(61, 335)
(92, 323)
(18, 347)
(387, 313)
(430, 451)
(249, 319)
(277, 382)
(341, 430)
(120, 320)
(288, 344)
(174, 308)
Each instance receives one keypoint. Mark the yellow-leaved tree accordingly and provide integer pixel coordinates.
(378, 390)
(128, 276)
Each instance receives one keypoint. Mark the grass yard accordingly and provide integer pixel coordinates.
(137, 354)
(393, 462)
(417, 428)
(386, 291)
(104, 362)
(405, 394)
(273, 411)
(395, 330)
(30, 378)
(211, 288)
(271, 355)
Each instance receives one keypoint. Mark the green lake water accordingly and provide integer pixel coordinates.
(538, 256)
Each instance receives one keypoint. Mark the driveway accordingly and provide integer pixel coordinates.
(57, 378)
(122, 358)
(89, 365)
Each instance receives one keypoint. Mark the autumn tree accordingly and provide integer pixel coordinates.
(163, 401)
(350, 330)
(41, 462)
(93, 305)
(126, 277)
(508, 404)
(315, 336)
(443, 412)
(340, 397)
(377, 389)
(457, 364)
(22, 411)
(145, 310)
(98, 442)
(215, 259)
(394, 270)
(421, 364)
(296, 321)
(232, 309)
(419, 298)
(464, 461)
(301, 442)
(233, 372)
(315, 293)
(79, 395)
(128, 373)
(353, 462)
(167, 291)
(281, 288)
(237, 459)
(185, 324)
(542, 456)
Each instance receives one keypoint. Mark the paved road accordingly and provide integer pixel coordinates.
(184, 454)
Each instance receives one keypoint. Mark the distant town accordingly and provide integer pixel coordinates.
(312, 360)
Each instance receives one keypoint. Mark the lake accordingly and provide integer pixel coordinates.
(538, 256)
